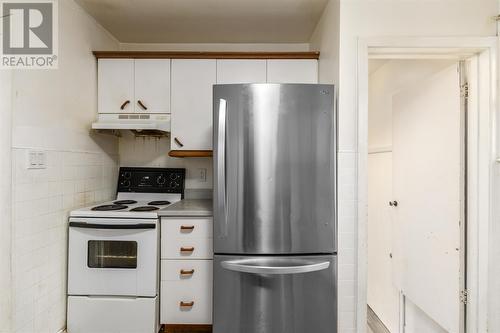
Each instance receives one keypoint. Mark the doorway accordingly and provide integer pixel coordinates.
(479, 57)
(416, 195)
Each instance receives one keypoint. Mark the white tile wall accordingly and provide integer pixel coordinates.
(42, 199)
(347, 231)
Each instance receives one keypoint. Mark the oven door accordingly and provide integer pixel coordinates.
(113, 257)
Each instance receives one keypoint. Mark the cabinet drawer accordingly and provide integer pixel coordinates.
(187, 248)
(186, 300)
(186, 227)
(197, 272)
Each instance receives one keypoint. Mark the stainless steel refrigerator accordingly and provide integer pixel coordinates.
(275, 239)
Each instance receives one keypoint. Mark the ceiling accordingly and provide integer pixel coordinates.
(207, 21)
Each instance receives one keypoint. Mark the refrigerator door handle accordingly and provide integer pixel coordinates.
(221, 162)
(253, 266)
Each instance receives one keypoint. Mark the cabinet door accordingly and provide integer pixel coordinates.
(192, 84)
(152, 85)
(292, 71)
(116, 85)
(241, 71)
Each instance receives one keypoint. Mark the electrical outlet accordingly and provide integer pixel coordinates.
(37, 159)
(202, 175)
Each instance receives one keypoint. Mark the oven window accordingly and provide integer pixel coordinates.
(112, 254)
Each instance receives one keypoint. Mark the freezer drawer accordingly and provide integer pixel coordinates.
(275, 294)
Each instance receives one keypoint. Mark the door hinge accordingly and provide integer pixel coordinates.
(464, 90)
(464, 296)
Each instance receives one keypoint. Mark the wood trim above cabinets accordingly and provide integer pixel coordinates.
(203, 55)
(190, 153)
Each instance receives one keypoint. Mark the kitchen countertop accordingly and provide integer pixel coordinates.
(188, 207)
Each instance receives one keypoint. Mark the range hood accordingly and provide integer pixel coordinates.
(147, 124)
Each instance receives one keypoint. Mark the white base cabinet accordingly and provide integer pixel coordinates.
(186, 292)
(186, 271)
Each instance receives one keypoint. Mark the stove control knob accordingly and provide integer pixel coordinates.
(127, 175)
(174, 176)
(160, 180)
(126, 183)
(174, 184)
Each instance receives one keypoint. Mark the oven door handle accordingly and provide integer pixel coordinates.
(112, 226)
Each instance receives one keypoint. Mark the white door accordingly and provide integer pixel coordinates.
(383, 296)
(241, 71)
(192, 86)
(152, 85)
(115, 85)
(428, 180)
(292, 71)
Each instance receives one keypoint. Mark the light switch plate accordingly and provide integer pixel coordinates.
(36, 159)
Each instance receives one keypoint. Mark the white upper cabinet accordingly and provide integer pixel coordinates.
(191, 108)
(292, 71)
(241, 71)
(152, 85)
(116, 85)
(125, 84)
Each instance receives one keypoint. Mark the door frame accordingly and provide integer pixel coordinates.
(483, 51)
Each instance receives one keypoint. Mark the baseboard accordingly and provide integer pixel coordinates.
(176, 328)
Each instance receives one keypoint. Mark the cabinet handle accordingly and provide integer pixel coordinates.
(178, 142)
(187, 227)
(142, 105)
(186, 272)
(124, 104)
(187, 249)
(185, 304)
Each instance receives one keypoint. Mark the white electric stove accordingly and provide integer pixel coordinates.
(113, 254)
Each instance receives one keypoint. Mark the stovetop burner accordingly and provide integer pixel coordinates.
(109, 207)
(125, 202)
(159, 203)
(144, 209)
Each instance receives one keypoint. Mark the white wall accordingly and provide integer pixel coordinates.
(5, 200)
(363, 18)
(214, 47)
(387, 78)
(52, 111)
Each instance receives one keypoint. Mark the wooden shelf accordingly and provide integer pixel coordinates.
(203, 55)
(190, 153)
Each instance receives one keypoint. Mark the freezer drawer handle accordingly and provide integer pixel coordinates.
(112, 226)
(252, 267)
(187, 227)
(186, 304)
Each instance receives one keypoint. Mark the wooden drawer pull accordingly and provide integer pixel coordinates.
(187, 272)
(184, 304)
(141, 104)
(187, 249)
(178, 142)
(124, 104)
(187, 227)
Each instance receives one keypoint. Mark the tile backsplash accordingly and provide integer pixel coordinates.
(42, 199)
(153, 152)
